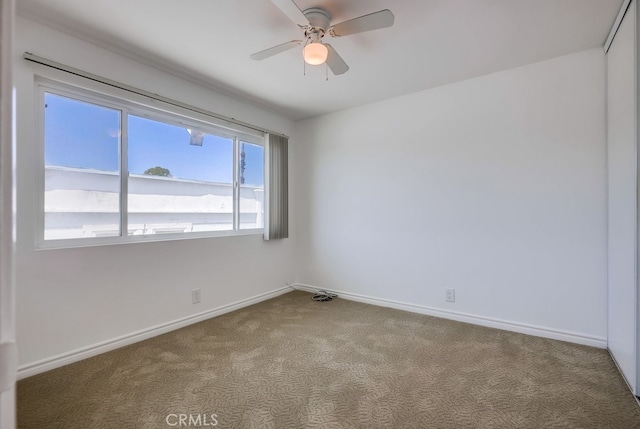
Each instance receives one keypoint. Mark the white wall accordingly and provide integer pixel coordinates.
(494, 186)
(75, 298)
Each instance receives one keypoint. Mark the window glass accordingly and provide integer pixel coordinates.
(81, 156)
(251, 186)
(118, 169)
(181, 179)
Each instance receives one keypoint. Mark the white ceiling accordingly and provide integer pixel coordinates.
(433, 42)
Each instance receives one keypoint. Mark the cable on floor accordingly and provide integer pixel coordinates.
(323, 295)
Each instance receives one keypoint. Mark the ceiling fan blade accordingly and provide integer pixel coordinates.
(373, 21)
(275, 50)
(335, 61)
(289, 8)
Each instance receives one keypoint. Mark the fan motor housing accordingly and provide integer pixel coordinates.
(319, 19)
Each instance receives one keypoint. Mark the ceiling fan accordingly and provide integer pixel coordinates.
(315, 22)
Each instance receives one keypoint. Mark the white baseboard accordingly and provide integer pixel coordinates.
(506, 325)
(33, 368)
(57, 361)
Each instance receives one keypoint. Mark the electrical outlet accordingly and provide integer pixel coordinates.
(450, 295)
(195, 296)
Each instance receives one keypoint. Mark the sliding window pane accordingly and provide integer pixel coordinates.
(180, 181)
(81, 196)
(251, 186)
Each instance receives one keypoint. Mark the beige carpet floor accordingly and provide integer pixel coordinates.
(294, 363)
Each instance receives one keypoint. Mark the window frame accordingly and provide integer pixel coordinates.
(150, 109)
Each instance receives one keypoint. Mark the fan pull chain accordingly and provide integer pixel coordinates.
(326, 72)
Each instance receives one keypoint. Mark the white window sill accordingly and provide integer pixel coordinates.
(133, 239)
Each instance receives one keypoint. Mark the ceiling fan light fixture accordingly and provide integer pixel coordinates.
(315, 53)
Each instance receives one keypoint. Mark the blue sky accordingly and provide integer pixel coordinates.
(83, 135)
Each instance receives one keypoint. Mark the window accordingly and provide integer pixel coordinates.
(251, 205)
(178, 182)
(115, 170)
(82, 183)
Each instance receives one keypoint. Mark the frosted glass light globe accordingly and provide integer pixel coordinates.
(315, 54)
